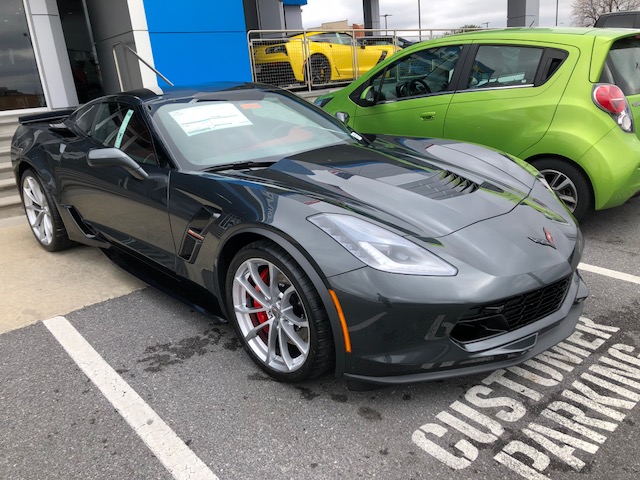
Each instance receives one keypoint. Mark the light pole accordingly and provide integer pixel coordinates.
(385, 21)
(419, 22)
(557, 1)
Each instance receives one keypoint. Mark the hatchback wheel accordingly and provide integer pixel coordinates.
(569, 184)
(42, 214)
(278, 314)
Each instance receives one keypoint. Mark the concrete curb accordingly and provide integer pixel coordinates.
(12, 221)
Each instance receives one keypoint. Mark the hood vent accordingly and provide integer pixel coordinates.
(442, 185)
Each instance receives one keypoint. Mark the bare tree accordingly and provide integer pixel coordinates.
(586, 12)
(467, 28)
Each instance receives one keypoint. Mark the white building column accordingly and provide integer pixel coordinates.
(51, 53)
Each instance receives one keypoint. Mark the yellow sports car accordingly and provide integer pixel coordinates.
(332, 56)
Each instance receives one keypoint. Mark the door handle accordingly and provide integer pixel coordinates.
(428, 115)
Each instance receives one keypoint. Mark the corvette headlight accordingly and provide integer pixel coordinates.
(381, 249)
(276, 49)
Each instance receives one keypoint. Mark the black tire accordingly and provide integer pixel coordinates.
(42, 213)
(320, 70)
(294, 298)
(569, 184)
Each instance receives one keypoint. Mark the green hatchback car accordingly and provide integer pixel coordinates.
(565, 100)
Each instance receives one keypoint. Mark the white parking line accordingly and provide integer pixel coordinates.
(174, 454)
(609, 273)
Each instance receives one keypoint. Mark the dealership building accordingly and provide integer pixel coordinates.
(59, 53)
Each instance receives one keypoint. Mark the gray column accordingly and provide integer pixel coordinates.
(371, 13)
(523, 13)
(271, 14)
(122, 21)
(292, 17)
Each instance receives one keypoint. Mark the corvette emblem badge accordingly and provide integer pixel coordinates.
(547, 240)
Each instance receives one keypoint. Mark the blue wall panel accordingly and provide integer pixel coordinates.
(198, 41)
(192, 58)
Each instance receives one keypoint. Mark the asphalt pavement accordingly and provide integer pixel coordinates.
(120, 377)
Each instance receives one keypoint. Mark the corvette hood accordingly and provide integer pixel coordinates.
(427, 189)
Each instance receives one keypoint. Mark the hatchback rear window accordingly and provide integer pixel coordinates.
(623, 65)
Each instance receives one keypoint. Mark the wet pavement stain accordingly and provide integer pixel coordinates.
(258, 377)
(369, 414)
(634, 336)
(306, 393)
(339, 397)
(232, 344)
(628, 314)
(163, 355)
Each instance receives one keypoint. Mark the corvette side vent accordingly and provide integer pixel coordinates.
(443, 185)
(195, 233)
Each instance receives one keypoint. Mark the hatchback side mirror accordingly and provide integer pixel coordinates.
(368, 96)
(343, 117)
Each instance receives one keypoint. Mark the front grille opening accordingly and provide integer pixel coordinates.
(469, 331)
(484, 321)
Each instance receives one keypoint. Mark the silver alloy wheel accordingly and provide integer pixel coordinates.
(271, 315)
(37, 210)
(563, 187)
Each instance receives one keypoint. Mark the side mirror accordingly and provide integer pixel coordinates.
(62, 129)
(114, 157)
(343, 117)
(368, 95)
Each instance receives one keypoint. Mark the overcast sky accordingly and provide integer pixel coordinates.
(403, 14)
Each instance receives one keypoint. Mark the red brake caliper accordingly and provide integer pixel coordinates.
(262, 317)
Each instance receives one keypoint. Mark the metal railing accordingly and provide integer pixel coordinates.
(127, 48)
(307, 59)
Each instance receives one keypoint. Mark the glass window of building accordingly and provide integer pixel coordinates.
(20, 85)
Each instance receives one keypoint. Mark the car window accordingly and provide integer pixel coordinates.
(322, 38)
(229, 127)
(619, 21)
(119, 126)
(84, 117)
(344, 39)
(423, 72)
(551, 60)
(623, 65)
(499, 66)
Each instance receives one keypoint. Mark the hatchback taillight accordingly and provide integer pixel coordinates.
(612, 100)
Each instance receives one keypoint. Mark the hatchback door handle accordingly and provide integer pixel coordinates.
(427, 115)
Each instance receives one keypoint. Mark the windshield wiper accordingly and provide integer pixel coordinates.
(239, 165)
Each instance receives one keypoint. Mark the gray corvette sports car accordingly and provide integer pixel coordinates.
(387, 260)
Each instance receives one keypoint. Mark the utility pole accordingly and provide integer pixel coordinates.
(385, 21)
(419, 22)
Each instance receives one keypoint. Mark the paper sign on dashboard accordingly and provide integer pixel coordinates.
(210, 117)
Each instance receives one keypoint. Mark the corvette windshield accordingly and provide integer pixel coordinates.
(239, 126)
